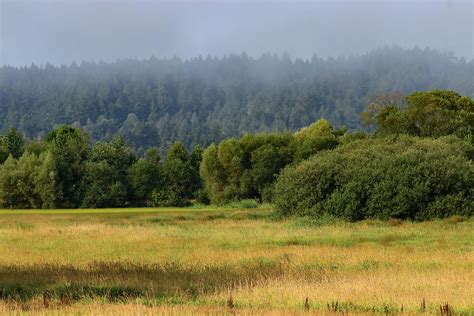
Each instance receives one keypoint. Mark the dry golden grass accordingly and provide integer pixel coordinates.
(193, 261)
(97, 308)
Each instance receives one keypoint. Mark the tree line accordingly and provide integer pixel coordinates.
(67, 171)
(417, 164)
(155, 102)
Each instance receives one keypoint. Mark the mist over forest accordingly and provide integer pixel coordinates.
(155, 102)
(157, 72)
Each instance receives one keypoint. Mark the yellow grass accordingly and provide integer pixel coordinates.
(192, 261)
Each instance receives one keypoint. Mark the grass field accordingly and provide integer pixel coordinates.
(216, 261)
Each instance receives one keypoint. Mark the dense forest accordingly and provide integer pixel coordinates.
(156, 102)
(417, 164)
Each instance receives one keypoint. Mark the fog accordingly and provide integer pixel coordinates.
(62, 31)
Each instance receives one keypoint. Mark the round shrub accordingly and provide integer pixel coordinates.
(400, 177)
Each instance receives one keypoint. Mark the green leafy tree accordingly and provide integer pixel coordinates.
(178, 175)
(316, 137)
(105, 181)
(101, 186)
(428, 114)
(320, 128)
(17, 177)
(9, 196)
(213, 174)
(440, 112)
(245, 168)
(45, 181)
(231, 158)
(116, 153)
(70, 148)
(12, 143)
(144, 177)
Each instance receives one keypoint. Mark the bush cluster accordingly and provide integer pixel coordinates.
(396, 177)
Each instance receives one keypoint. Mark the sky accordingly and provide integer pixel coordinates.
(60, 32)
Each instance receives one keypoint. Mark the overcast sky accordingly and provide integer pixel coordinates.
(62, 31)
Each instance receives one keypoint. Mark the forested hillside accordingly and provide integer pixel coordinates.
(156, 102)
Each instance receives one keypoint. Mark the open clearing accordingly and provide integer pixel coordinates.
(208, 260)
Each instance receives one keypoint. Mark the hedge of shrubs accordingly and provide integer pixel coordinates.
(397, 177)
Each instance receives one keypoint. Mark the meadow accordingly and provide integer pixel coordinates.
(231, 260)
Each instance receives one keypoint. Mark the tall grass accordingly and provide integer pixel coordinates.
(200, 260)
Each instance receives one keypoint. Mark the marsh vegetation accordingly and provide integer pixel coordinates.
(219, 260)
